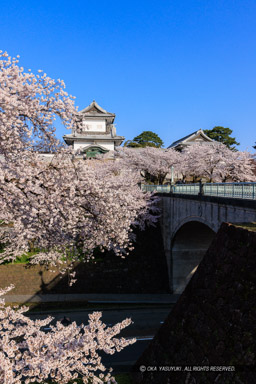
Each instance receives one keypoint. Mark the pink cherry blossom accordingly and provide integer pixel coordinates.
(217, 163)
(64, 208)
(29, 353)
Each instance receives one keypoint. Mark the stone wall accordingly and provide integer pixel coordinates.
(144, 270)
(213, 322)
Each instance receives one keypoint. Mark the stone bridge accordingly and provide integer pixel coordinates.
(189, 223)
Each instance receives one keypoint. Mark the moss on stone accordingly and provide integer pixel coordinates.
(248, 226)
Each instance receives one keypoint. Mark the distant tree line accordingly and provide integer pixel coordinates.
(151, 139)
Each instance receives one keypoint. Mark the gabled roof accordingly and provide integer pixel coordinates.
(95, 109)
(190, 138)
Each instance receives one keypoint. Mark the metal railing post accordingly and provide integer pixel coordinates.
(201, 188)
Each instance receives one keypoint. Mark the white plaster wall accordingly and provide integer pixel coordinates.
(81, 144)
(94, 125)
(109, 145)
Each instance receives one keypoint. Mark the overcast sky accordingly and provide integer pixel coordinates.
(169, 66)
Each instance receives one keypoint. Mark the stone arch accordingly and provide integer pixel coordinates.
(189, 243)
(193, 218)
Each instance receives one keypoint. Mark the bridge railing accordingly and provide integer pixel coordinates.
(166, 188)
(231, 190)
(188, 189)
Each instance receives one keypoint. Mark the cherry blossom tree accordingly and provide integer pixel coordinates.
(63, 208)
(68, 207)
(153, 163)
(213, 161)
(239, 167)
(29, 353)
(217, 163)
(29, 106)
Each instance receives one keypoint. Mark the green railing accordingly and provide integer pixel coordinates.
(233, 190)
(188, 189)
(156, 188)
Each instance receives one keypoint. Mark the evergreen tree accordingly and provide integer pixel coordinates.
(145, 139)
(222, 135)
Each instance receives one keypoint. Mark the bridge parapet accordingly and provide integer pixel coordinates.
(230, 190)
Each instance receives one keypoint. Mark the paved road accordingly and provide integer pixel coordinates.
(146, 322)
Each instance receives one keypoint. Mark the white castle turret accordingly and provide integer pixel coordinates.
(98, 133)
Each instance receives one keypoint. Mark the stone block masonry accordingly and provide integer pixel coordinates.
(213, 322)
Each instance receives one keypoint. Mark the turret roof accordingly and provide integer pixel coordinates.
(185, 140)
(95, 109)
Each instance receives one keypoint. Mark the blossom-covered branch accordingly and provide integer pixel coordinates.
(62, 353)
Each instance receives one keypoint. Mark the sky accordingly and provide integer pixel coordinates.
(167, 66)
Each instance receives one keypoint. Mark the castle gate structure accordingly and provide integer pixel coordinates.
(98, 135)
